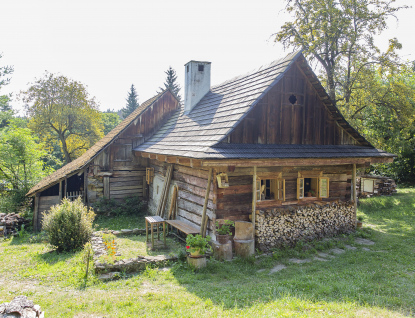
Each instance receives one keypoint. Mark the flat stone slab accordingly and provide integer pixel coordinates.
(109, 276)
(277, 268)
(337, 251)
(363, 241)
(320, 259)
(260, 270)
(349, 247)
(366, 249)
(325, 255)
(299, 261)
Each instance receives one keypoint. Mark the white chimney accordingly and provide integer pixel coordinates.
(196, 83)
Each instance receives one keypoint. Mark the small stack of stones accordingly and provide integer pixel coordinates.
(11, 223)
(20, 307)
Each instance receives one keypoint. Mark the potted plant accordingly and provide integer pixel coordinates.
(359, 223)
(197, 245)
(223, 231)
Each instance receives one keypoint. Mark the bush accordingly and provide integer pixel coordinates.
(128, 206)
(69, 225)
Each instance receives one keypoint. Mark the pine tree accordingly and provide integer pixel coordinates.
(171, 83)
(132, 102)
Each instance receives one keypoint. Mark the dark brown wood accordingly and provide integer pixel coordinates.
(204, 217)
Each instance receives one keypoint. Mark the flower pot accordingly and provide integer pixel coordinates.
(195, 252)
(222, 238)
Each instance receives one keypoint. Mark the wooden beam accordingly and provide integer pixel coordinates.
(292, 162)
(203, 224)
(254, 196)
(163, 198)
(354, 190)
(144, 187)
(60, 190)
(66, 187)
(107, 187)
(85, 198)
(36, 226)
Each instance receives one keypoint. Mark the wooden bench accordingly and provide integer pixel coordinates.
(182, 227)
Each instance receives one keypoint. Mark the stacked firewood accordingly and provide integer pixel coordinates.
(11, 223)
(381, 186)
(286, 226)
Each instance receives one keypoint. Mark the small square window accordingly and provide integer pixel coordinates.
(201, 67)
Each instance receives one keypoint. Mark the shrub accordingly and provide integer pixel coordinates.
(128, 206)
(68, 225)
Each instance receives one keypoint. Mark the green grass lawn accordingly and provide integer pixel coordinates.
(376, 283)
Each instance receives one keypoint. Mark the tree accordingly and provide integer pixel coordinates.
(61, 111)
(110, 120)
(5, 108)
(171, 83)
(339, 34)
(132, 102)
(21, 158)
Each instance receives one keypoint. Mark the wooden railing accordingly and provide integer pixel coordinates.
(72, 196)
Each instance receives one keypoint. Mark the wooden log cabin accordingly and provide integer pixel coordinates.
(270, 144)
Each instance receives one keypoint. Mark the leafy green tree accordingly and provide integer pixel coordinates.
(61, 111)
(171, 83)
(110, 120)
(5, 108)
(132, 102)
(339, 35)
(21, 158)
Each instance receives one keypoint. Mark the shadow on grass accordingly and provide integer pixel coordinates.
(382, 277)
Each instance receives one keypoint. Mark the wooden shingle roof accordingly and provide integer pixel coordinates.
(199, 134)
(92, 152)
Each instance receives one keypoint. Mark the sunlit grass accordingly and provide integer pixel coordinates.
(376, 283)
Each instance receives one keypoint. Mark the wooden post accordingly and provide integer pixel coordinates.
(66, 187)
(36, 213)
(203, 224)
(144, 187)
(254, 189)
(354, 190)
(85, 198)
(107, 187)
(163, 198)
(60, 191)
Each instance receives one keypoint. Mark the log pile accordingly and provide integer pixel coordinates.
(11, 223)
(381, 186)
(287, 225)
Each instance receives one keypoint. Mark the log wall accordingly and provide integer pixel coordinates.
(191, 183)
(287, 225)
(234, 202)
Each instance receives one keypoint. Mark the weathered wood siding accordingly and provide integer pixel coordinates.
(275, 120)
(191, 183)
(44, 204)
(234, 202)
(116, 173)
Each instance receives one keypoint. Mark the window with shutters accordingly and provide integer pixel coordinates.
(312, 187)
(270, 189)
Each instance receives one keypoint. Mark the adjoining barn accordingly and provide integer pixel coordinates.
(268, 147)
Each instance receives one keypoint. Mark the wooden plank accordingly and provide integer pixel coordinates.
(254, 189)
(204, 220)
(163, 198)
(126, 183)
(354, 190)
(183, 227)
(107, 187)
(189, 196)
(194, 208)
(144, 183)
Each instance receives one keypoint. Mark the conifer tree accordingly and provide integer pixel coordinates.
(171, 83)
(132, 102)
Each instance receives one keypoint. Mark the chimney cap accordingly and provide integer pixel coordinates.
(194, 61)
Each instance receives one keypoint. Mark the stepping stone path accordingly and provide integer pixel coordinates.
(277, 268)
(337, 251)
(299, 261)
(363, 241)
(323, 257)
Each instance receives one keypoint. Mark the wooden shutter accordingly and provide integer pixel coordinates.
(323, 187)
(300, 188)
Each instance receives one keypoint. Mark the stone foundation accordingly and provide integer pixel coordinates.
(287, 225)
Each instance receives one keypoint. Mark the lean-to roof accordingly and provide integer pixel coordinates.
(92, 152)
